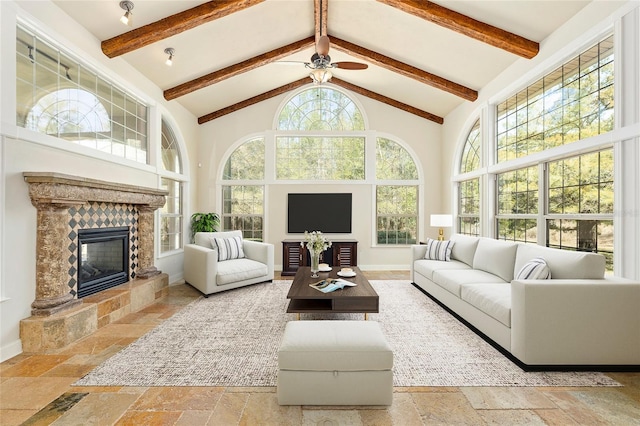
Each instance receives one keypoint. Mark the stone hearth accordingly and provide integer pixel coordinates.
(65, 204)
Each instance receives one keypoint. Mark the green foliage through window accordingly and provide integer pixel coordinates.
(572, 103)
(471, 152)
(393, 162)
(397, 219)
(246, 162)
(320, 108)
(320, 158)
(243, 209)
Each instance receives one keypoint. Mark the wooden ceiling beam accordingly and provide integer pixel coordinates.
(321, 9)
(239, 68)
(468, 26)
(405, 69)
(381, 98)
(254, 100)
(172, 25)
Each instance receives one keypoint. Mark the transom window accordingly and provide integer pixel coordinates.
(61, 97)
(320, 108)
(573, 102)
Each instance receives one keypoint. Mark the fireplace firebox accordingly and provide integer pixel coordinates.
(103, 255)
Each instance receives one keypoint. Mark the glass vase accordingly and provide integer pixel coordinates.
(315, 263)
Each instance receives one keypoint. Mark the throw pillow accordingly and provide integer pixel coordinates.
(439, 250)
(228, 248)
(535, 269)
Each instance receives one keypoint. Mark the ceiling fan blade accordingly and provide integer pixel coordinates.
(322, 47)
(350, 65)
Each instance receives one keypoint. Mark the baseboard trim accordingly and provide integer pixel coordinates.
(9, 351)
(527, 367)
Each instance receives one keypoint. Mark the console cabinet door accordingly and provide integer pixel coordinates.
(293, 256)
(345, 254)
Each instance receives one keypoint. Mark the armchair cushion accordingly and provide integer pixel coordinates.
(228, 248)
(235, 270)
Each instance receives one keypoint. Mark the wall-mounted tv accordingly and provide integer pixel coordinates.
(326, 212)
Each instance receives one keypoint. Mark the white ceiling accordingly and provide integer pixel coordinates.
(366, 23)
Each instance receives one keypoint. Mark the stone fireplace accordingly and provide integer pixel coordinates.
(74, 216)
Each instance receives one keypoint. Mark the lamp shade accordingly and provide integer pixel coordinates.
(442, 220)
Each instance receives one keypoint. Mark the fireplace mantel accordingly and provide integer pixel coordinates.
(58, 188)
(53, 194)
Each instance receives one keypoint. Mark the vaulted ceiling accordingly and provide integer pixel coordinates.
(423, 57)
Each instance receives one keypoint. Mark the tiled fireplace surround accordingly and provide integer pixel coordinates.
(65, 204)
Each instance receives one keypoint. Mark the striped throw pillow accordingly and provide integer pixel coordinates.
(535, 269)
(228, 248)
(439, 250)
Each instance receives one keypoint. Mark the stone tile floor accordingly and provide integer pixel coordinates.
(35, 389)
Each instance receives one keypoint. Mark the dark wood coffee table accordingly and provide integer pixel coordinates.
(361, 298)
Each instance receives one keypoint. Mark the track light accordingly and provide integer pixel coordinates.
(127, 18)
(169, 51)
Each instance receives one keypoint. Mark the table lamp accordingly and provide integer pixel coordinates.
(441, 221)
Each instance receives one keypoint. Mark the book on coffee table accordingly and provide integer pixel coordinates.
(331, 284)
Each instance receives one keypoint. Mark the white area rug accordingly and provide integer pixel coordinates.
(232, 339)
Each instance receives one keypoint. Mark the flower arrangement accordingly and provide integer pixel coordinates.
(316, 241)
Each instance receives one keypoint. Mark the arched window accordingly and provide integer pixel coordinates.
(171, 216)
(320, 108)
(243, 190)
(469, 190)
(396, 204)
(65, 98)
(171, 160)
(471, 152)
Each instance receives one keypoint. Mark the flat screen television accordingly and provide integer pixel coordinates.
(326, 212)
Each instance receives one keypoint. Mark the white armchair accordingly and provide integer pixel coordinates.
(205, 272)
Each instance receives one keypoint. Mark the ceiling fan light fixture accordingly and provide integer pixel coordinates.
(321, 75)
(127, 18)
(169, 51)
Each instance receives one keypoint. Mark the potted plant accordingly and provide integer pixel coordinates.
(204, 222)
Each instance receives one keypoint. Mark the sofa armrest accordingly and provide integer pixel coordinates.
(417, 252)
(260, 252)
(200, 267)
(583, 321)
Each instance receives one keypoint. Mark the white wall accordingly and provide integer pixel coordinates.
(22, 150)
(579, 33)
(421, 136)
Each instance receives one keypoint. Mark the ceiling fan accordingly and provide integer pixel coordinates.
(321, 62)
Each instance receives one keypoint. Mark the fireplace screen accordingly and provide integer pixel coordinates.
(102, 259)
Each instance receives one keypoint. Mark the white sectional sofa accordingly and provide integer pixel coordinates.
(204, 271)
(579, 317)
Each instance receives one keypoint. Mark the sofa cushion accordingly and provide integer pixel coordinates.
(535, 269)
(496, 257)
(232, 271)
(438, 250)
(564, 264)
(426, 267)
(492, 299)
(228, 248)
(464, 249)
(451, 280)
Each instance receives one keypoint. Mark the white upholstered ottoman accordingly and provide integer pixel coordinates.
(334, 363)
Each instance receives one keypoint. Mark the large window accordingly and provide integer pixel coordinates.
(243, 190)
(571, 103)
(469, 190)
(580, 204)
(396, 204)
(171, 215)
(321, 137)
(61, 97)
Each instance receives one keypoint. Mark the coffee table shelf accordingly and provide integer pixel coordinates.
(361, 298)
